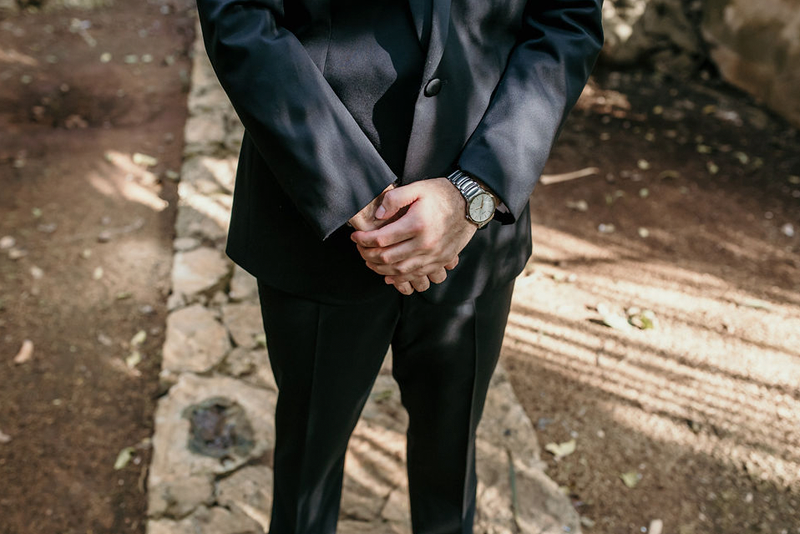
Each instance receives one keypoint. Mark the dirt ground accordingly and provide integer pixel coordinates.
(75, 202)
(701, 414)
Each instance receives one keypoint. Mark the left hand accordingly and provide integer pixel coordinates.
(423, 282)
(424, 240)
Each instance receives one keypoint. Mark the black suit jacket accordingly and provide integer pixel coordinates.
(309, 78)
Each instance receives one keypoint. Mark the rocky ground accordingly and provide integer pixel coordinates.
(685, 220)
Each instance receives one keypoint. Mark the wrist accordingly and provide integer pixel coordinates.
(480, 203)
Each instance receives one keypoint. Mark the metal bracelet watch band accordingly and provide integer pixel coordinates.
(480, 202)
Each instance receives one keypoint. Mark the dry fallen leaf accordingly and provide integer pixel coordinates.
(124, 457)
(133, 359)
(560, 450)
(25, 353)
(139, 338)
(631, 478)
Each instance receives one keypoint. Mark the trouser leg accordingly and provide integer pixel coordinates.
(444, 356)
(325, 359)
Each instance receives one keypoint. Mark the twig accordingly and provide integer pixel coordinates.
(512, 478)
(548, 179)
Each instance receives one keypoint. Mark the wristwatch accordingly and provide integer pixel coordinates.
(480, 202)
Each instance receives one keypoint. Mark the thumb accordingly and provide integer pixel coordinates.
(395, 200)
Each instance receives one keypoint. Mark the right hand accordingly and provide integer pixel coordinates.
(365, 220)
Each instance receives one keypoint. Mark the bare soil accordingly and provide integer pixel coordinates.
(702, 412)
(75, 202)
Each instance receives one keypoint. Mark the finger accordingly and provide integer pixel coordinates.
(389, 255)
(452, 265)
(411, 268)
(421, 284)
(400, 230)
(438, 276)
(395, 200)
(404, 288)
(426, 270)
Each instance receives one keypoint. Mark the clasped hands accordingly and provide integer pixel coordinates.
(413, 234)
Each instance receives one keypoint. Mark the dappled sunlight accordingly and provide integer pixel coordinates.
(717, 375)
(376, 459)
(138, 193)
(129, 191)
(216, 211)
(648, 386)
(555, 245)
(129, 182)
(12, 57)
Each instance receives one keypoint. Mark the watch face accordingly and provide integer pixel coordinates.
(481, 208)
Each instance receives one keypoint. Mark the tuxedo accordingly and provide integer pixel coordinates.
(340, 99)
(484, 86)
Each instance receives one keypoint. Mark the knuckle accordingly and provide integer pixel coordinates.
(429, 244)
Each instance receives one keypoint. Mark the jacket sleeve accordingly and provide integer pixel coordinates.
(320, 156)
(545, 74)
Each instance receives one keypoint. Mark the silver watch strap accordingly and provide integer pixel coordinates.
(468, 187)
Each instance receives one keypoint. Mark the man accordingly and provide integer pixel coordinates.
(390, 145)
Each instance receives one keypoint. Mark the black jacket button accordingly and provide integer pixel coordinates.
(433, 87)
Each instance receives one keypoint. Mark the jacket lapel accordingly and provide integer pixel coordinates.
(437, 14)
(440, 24)
(419, 12)
(419, 146)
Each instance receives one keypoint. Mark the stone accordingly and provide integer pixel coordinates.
(243, 321)
(205, 134)
(652, 31)
(383, 408)
(252, 366)
(175, 301)
(214, 520)
(202, 270)
(185, 244)
(397, 507)
(505, 424)
(9, 6)
(210, 174)
(360, 506)
(235, 132)
(220, 298)
(206, 93)
(756, 46)
(195, 341)
(181, 497)
(175, 464)
(370, 527)
(248, 490)
(201, 216)
(244, 285)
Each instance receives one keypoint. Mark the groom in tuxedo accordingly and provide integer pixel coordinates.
(381, 199)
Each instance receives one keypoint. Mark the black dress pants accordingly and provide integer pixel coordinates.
(326, 357)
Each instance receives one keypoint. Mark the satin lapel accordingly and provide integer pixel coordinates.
(421, 153)
(440, 25)
(418, 13)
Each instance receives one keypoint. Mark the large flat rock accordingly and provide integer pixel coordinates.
(202, 270)
(243, 321)
(181, 474)
(195, 341)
